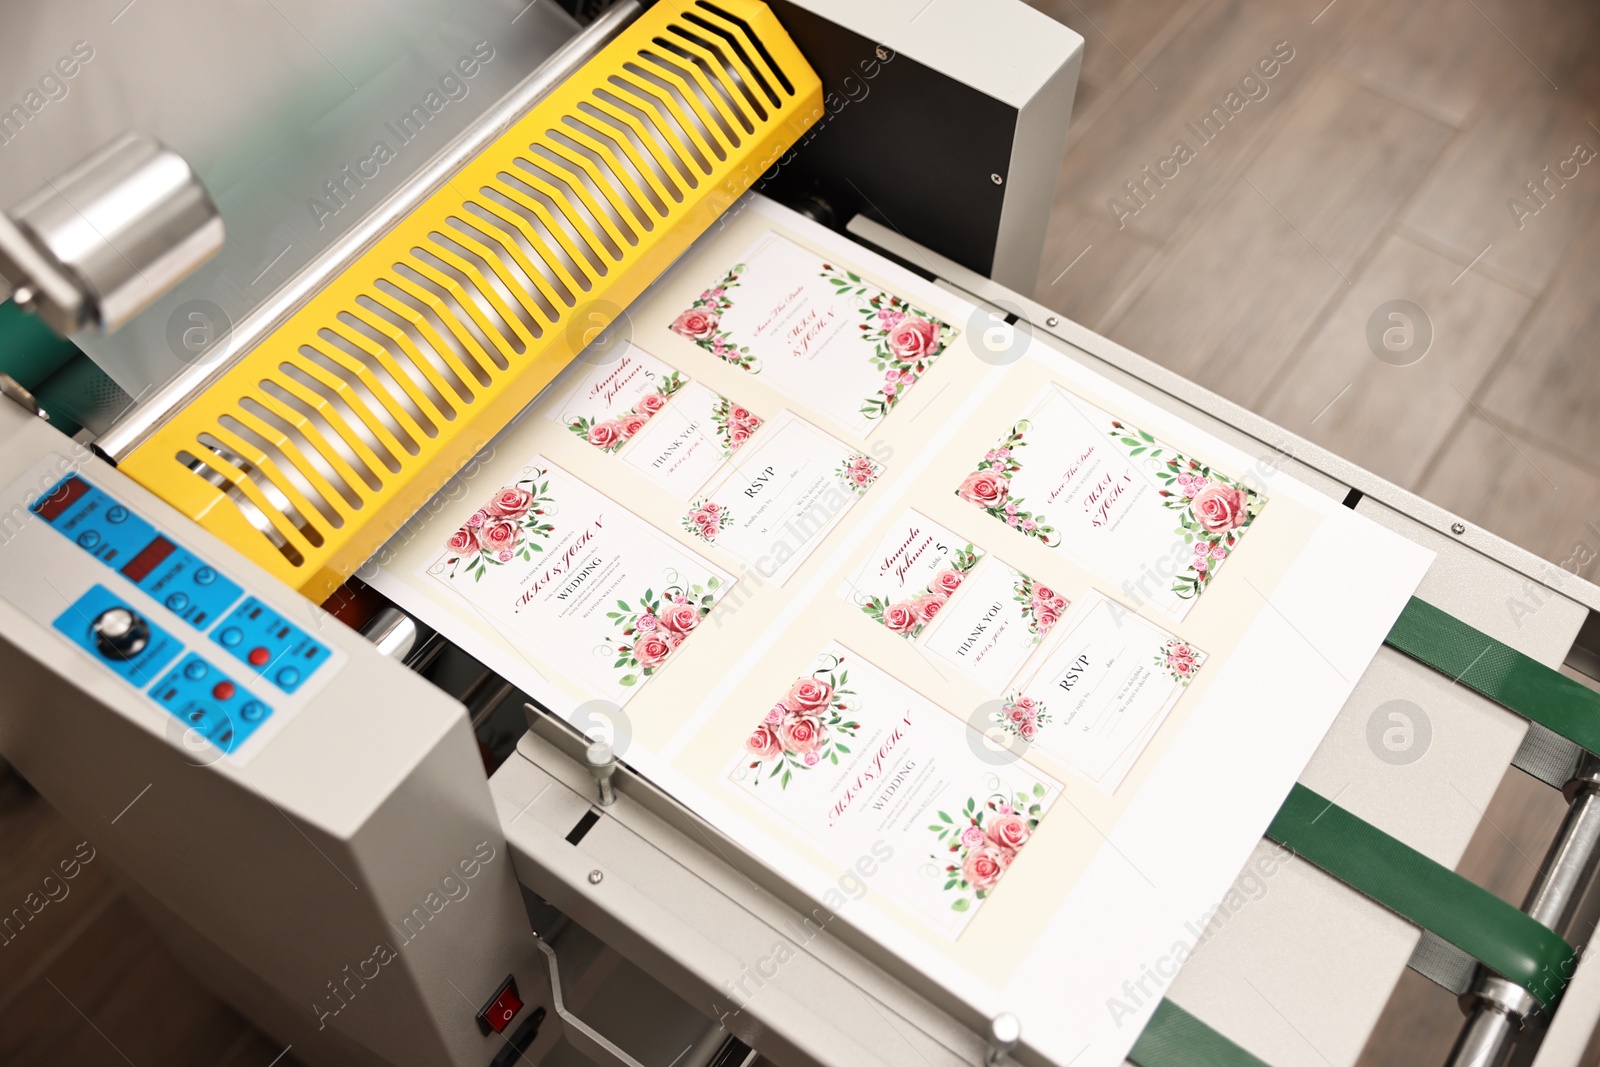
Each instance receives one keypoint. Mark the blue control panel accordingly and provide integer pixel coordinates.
(114, 535)
(210, 703)
(137, 653)
(280, 652)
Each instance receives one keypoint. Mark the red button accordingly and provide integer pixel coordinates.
(258, 656)
(503, 1008)
(222, 690)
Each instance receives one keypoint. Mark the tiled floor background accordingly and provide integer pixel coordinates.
(1378, 166)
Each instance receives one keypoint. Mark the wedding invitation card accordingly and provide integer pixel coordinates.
(816, 331)
(582, 584)
(862, 764)
(1155, 522)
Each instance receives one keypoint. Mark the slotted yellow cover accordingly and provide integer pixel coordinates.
(321, 442)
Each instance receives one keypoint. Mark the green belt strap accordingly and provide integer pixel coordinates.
(1499, 672)
(1174, 1038)
(1429, 894)
(29, 351)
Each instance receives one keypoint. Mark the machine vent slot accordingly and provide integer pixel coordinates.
(325, 437)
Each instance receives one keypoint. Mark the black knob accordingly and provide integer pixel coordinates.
(120, 634)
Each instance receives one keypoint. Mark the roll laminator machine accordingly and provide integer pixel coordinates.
(426, 868)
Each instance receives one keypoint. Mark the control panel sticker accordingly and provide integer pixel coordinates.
(111, 631)
(114, 535)
(278, 651)
(209, 702)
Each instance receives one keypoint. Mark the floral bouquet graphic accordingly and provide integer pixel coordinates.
(1213, 509)
(507, 528)
(1180, 660)
(989, 487)
(908, 617)
(1041, 605)
(701, 323)
(905, 340)
(734, 424)
(1021, 716)
(653, 627)
(806, 728)
(857, 473)
(705, 519)
(980, 842)
(608, 435)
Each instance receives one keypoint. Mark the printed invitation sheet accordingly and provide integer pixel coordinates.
(862, 764)
(1040, 654)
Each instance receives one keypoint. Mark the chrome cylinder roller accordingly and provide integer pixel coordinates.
(99, 243)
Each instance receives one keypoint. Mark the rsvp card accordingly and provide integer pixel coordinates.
(816, 331)
(785, 491)
(863, 765)
(1156, 522)
(1101, 691)
(581, 583)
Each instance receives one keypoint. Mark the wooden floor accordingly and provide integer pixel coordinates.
(1378, 166)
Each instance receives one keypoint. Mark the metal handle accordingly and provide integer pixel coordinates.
(580, 1035)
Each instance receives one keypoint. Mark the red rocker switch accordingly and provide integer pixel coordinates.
(502, 1009)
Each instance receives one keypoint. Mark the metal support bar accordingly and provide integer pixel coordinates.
(1498, 1008)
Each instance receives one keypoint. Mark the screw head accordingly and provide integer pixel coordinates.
(1052, 321)
(595, 877)
(997, 179)
(1458, 528)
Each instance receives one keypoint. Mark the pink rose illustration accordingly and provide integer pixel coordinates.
(1028, 730)
(928, 605)
(985, 489)
(738, 436)
(946, 582)
(1219, 507)
(477, 518)
(463, 540)
(811, 759)
(646, 623)
(1008, 831)
(763, 742)
(631, 423)
(651, 649)
(605, 434)
(776, 715)
(681, 618)
(913, 338)
(861, 476)
(697, 324)
(809, 694)
(739, 414)
(1219, 551)
(1046, 617)
(511, 501)
(889, 319)
(1026, 703)
(801, 734)
(505, 555)
(649, 404)
(1044, 592)
(901, 617)
(500, 536)
(984, 865)
(972, 837)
